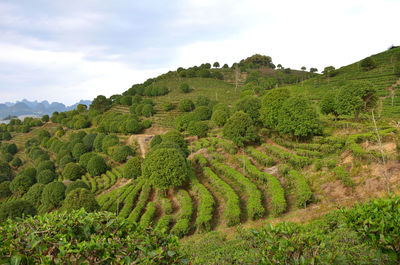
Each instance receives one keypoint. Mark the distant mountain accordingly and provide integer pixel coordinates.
(26, 107)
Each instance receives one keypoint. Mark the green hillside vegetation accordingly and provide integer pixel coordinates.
(245, 164)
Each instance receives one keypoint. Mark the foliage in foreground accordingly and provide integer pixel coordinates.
(94, 238)
(365, 234)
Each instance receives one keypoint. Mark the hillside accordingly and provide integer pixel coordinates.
(190, 154)
(384, 76)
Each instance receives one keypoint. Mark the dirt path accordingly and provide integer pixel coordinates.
(143, 140)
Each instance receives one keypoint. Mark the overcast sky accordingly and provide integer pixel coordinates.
(70, 50)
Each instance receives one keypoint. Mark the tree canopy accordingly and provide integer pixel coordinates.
(240, 128)
(165, 168)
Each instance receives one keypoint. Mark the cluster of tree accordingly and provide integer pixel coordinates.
(197, 113)
(115, 122)
(16, 125)
(149, 89)
(257, 61)
(351, 99)
(200, 71)
(73, 119)
(293, 116)
(8, 154)
(142, 107)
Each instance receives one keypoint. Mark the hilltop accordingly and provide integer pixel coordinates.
(215, 155)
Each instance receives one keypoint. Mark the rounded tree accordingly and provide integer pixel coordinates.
(356, 97)
(298, 119)
(21, 184)
(155, 141)
(219, 117)
(96, 166)
(185, 105)
(78, 150)
(53, 194)
(184, 88)
(84, 160)
(249, 105)
(76, 185)
(197, 128)
(122, 153)
(133, 168)
(34, 194)
(271, 103)
(80, 198)
(72, 171)
(240, 129)
(203, 112)
(5, 189)
(45, 176)
(216, 65)
(165, 168)
(17, 208)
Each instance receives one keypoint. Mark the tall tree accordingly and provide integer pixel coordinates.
(216, 65)
(356, 97)
(100, 103)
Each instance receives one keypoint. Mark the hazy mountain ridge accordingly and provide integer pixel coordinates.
(26, 107)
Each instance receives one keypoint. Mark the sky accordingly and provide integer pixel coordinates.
(66, 51)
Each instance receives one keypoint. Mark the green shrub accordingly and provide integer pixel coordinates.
(72, 171)
(181, 228)
(249, 105)
(182, 121)
(294, 160)
(143, 197)
(122, 153)
(21, 184)
(148, 110)
(163, 223)
(167, 106)
(78, 150)
(261, 158)
(283, 169)
(5, 189)
(155, 140)
(149, 214)
(130, 200)
(176, 137)
(16, 162)
(184, 88)
(80, 198)
(98, 142)
(205, 207)
(84, 159)
(203, 112)
(302, 189)
(45, 176)
(197, 128)
(232, 208)
(219, 117)
(14, 209)
(88, 141)
(45, 165)
(53, 194)
(96, 166)
(109, 141)
(255, 209)
(274, 188)
(185, 105)
(75, 185)
(95, 240)
(202, 101)
(240, 129)
(343, 175)
(65, 161)
(7, 157)
(34, 194)
(133, 168)
(165, 168)
(378, 221)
